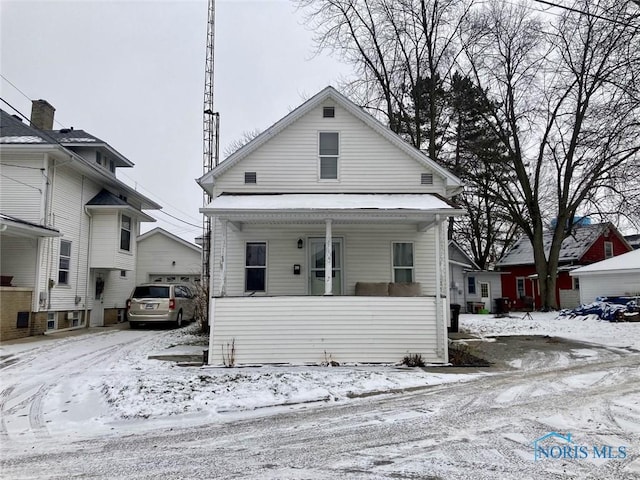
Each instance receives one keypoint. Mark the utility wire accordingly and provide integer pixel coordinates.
(25, 96)
(589, 14)
(161, 211)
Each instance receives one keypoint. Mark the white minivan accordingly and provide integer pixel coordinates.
(160, 302)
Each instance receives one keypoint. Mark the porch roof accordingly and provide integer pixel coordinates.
(21, 228)
(350, 207)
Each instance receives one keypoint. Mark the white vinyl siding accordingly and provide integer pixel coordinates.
(366, 254)
(23, 186)
(316, 329)
(64, 264)
(156, 254)
(105, 248)
(610, 284)
(368, 162)
(18, 257)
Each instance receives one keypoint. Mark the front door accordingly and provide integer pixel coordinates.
(316, 266)
(485, 295)
(97, 312)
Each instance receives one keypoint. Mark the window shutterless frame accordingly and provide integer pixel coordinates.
(328, 156)
(64, 263)
(255, 270)
(402, 261)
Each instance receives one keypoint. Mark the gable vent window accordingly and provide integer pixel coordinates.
(250, 177)
(426, 179)
(328, 112)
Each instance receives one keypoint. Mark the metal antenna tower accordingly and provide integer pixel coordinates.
(211, 125)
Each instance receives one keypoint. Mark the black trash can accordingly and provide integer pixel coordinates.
(455, 316)
(502, 306)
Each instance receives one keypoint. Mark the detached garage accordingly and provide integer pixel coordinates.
(616, 276)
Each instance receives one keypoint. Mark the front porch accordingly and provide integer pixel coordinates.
(287, 274)
(313, 330)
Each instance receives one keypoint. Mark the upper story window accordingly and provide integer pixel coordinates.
(98, 158)
(64, 265)
(329, 151)
(328, 112)
(125, 233)
(403, 262)
(608, 249)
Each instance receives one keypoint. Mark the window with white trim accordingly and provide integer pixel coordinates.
(471, 285)
(402, 262)
(576, 283)
(520, 287)
(52, 324)
(125, 232)
(255, 277)
(329, 152)
(608, 249)
(64, 264)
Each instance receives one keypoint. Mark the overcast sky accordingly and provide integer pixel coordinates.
(132, 74)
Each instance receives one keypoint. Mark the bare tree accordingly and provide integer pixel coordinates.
(237, 144)
(568, 115)
(403, 54)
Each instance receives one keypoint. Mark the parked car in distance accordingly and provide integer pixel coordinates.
(160, 302)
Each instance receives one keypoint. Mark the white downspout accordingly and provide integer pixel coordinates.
(328, 269)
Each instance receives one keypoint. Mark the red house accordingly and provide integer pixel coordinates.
(587, 244)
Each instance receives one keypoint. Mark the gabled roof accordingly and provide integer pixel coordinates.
(171, 236)
(16, 134)
(573, 247)
(626, 263)
(14, 131)
(208, 180)
(105, 197)
(468, 261)
(105, 200)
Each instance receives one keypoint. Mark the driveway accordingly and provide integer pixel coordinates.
(480, 429)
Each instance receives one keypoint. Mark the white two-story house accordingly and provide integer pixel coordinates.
(68, 227)
(329, 243)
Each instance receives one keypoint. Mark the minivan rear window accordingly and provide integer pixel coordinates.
(151, 291)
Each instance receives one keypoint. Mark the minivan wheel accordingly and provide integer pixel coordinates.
(179, 319)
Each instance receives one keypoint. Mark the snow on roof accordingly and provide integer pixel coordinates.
(330, 201)
(627, 262)
(573, 247)
(21, 139)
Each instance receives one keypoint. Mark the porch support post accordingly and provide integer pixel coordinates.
(328, 269)
(223, 259)
(440, 322)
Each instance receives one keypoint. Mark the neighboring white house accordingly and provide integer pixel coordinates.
(616, 276)
(165, 257)
(471, 287)
(67, 227)
(329, 243)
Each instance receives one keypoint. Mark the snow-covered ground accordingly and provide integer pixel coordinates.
(585, 329)
(101, 391)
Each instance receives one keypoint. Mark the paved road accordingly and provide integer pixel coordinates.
(482, 430)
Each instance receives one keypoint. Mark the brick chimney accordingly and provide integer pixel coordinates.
(42, 114)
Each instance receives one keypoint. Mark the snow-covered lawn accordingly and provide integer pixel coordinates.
(100, 382)
(588, 329)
